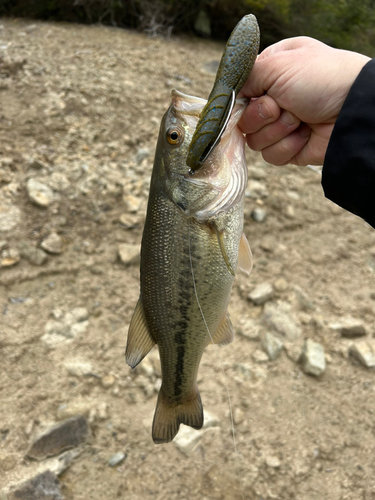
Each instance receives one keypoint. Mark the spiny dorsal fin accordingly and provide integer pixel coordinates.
(140, 341)
(224, 334)
(245, 257)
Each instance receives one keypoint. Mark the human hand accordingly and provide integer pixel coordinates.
(302, 84)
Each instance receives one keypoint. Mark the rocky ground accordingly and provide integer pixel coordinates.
(79, 114)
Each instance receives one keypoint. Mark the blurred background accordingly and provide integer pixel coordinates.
(347, 24)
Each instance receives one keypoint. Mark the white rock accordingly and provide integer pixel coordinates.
(73, 408)
(210, 420)
(79, 329)
(261, 293)
(364, 351)
(116, 459)
(78, 367)
(349, 327)
(273, 462)
(52, 244)
(76, 315)
(187, 438)
(271, 345)
(39, 193)
(259, 214)
(129, 254)
(10, 217)
(278, 316)
(259, 356)
(312, 358)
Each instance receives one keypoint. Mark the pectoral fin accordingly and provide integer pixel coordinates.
(140, 341)
(224, 334)
(245, 257)
(220, 239)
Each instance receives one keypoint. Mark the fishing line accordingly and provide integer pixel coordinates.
(222, 369)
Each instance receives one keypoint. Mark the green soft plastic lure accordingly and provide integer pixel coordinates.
(235, 66)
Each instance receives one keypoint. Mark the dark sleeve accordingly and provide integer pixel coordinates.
(348, 177)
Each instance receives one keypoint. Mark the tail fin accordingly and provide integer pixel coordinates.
(167, 418)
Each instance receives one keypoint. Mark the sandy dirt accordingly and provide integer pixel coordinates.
(80, 109)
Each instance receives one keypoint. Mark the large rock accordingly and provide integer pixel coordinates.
(349, 327)
(271, 345)
(43, 486)
(312, 358)
(261, 293)
(67, 434)
(364, 351)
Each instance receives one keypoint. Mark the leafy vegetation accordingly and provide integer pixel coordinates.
(348, 24)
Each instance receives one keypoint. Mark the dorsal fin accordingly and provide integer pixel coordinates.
(140, 341)
(245, 257)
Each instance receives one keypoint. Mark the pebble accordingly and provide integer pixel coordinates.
(271, 345)
(40, 194)
(257, 173)
(36, 256)
(66, 434)
(107, 381)
(43, 486)
(9, 257)
(52, 244)
(312, 358)
(259, 356)
(129, 254)
(259, 214)
(248, 329)
(78, 368)
(10, 217)
(36, 164)
(116, 459)
(278, 317)
(261, 293)
(280, 285)
(74, 408)
(53, 327)
(79, 329)
(302, 299)
(187, 438)
(364, 351)
(273, 462)
(132, 203)
(350, 328)
(76, 315)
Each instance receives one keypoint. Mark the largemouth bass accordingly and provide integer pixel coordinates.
(191, 247)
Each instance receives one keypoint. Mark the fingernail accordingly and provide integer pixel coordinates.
(287, 118)
(264, 111)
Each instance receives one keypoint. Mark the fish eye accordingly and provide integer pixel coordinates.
(174, 136)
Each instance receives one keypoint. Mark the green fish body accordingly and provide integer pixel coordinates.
(190, 251)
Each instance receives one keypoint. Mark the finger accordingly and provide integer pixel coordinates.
(274, 132)
(288, 148)
(258, 113)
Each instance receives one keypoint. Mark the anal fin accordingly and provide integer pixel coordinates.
(140, 341)
(224, 334)
(245, 257)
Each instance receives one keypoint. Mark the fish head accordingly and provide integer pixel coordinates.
(221, 181)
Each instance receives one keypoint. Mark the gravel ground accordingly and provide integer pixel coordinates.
(80, 108)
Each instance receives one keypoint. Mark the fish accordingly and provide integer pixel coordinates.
(192, 245)
(236, 63)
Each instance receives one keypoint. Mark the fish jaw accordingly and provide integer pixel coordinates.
(222, 180)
